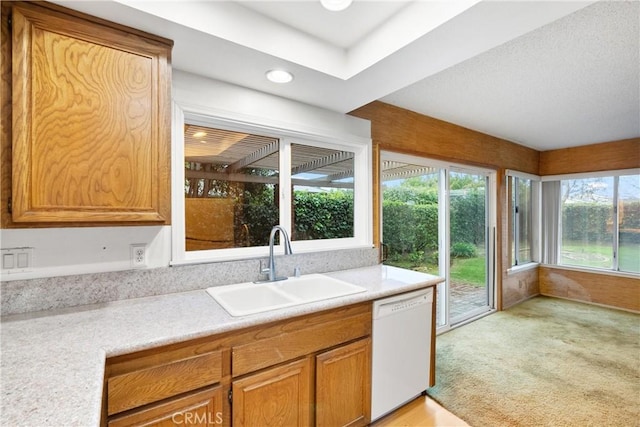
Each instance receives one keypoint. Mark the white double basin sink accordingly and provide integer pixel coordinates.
(249, 298)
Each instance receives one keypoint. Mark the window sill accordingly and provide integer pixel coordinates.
(520, 268)
(592, 270)
(206, 257)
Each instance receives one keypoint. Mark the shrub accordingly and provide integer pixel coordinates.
(463, 250)
(409, 228)
(417, 257)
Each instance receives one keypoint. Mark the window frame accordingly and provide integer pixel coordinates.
(615, 174)
(361, 147)
(536, 225)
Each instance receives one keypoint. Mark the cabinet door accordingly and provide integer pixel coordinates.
(203, 408)
(279, 396)
(343, 385)
(91, 121)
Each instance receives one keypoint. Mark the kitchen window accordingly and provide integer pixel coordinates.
(322, 183)
(231, 188)
(241, 180)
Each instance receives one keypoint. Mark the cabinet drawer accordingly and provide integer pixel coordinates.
(298, 337)
(199, 408)
(132, 389)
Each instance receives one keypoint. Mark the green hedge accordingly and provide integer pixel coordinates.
(586, 222)
(411, 218)
(409, 228)
(322, 215)
(592, 222)
(316, 215)
(467, 213)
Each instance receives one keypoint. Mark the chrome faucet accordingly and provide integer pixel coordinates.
(271, 270)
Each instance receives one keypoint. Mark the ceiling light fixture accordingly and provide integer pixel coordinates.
(336, 5)
(199, 134)
(279, 76)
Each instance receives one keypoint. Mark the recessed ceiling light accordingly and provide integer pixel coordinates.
(336, 5)
(279, 76)
(199, 134)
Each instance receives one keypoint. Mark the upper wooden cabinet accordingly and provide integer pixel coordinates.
(90, 120)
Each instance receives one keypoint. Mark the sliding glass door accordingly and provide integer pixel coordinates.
(437, 218)
(469, 251)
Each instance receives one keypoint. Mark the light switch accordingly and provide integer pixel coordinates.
(8, 261)
(23, 259)
(17, 260)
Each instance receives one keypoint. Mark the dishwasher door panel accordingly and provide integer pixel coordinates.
(401, 349)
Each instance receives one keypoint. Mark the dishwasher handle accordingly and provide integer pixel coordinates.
(400, 303)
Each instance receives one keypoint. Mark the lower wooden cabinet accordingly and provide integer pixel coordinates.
(279, 396)
(311, 370)
(202, 408)
(343, 385)
(293, 395)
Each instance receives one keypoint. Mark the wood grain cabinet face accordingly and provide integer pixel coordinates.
(91, 121)
(343, 385)
(285, 395)
(204, 408)
(336, 343)
(279, 396)
(300, 371)
(152, 384)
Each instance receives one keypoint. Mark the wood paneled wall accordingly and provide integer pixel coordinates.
(623, 154)
(404, 131)
(519, 287)
(397, 129)
(599, 288)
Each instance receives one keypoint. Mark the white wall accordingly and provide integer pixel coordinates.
(226, 101)
(67, 251)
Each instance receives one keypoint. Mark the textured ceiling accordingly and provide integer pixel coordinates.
(573, 82)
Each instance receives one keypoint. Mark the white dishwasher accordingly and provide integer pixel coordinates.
(401, 356)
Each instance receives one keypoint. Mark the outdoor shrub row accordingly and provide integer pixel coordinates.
(593, 221)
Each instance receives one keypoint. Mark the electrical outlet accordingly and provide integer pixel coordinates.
(138, 255)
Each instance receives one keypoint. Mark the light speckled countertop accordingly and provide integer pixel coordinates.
(53, 363)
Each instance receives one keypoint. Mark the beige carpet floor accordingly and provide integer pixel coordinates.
(545, 362)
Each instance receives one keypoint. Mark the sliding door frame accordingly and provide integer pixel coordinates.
(444, 229)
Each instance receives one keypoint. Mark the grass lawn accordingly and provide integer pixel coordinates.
(467, 270)
(472, 270)
(600, 256)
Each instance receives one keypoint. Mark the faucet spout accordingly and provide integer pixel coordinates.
(284, 237)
